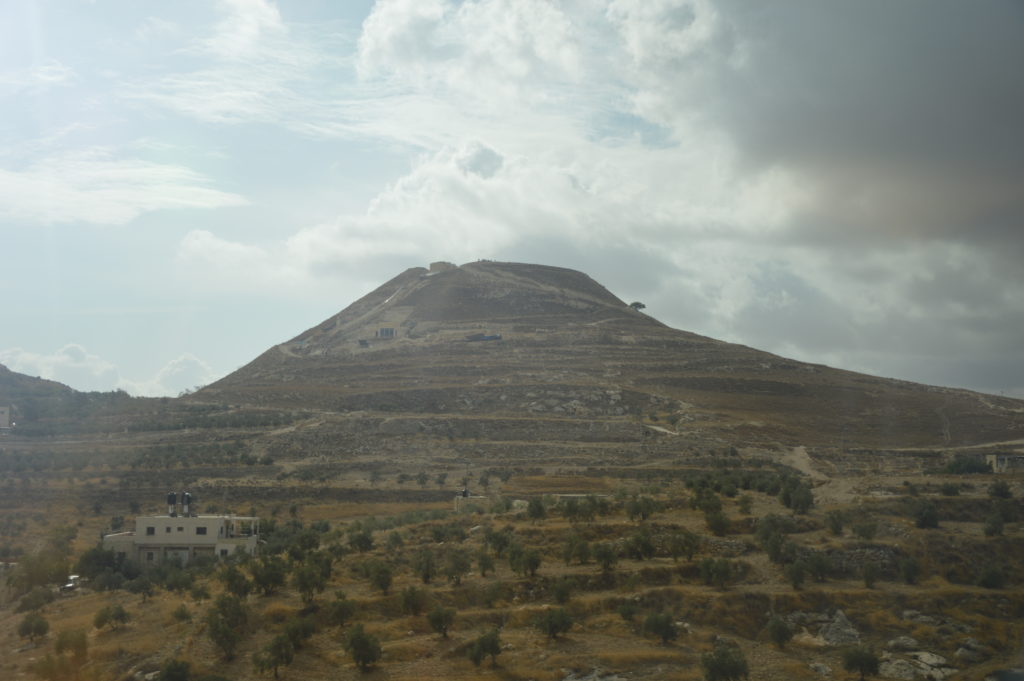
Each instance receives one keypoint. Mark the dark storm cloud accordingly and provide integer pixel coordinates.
(908, 113)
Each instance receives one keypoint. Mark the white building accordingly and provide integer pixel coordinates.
(184, 538)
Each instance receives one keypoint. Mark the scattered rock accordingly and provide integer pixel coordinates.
(821, 669)
(897, 669)
(840, 631)
(930, 659)
(903, 643)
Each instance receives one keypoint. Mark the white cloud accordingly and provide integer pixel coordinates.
(96, 185)
(37, 78)
(74, 366)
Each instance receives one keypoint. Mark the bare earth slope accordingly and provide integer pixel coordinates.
(570, 357)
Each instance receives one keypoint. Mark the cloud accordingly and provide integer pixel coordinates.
(96, 185)
(75, 366)
(36, 79)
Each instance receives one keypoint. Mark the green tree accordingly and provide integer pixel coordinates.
(268, 574)
(554, 621)
(234, 581)
(487, 644)
(113, 615)
(340, 610)
(32, 626)
(75, 642)
(279, 652)
(716, 572)
(835, 520)
(662, 625)
(364, 648)
(412, 600)
(1000, 489)
(860, 660)
(717, 523)
(441, 619)
(535, 510)
(484, 563)
(308, 581)
(641, 508)
(866, 529)
(226, 622)
(424, 565)
(456, 565)
(361, 541)
(606, 556)
(779, 632)
(380, 575)
(685, 543)
(725, 663)
(744, 504)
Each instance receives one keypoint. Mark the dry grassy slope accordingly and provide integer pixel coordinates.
(571, 350)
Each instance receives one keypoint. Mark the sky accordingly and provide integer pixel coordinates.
(185, 184)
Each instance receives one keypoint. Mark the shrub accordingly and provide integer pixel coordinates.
(175, 670)
(779, 632)
(35, 599)
(994, 525)
(1000, 489)
(182, 613)
(866, 529)
(424, 565)
(661, 625)
(910, 570)
(562, 591)
(835, 521)
(114, 615)
(963, 464)
(950, 489)
(628, 611)
(860, 660)
(725, 663)
(795, 573)
(992, 578)
(926, 516)
(606, 556)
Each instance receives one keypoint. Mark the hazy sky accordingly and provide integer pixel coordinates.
(184, 184)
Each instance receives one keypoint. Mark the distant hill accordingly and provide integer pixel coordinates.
(515, 353)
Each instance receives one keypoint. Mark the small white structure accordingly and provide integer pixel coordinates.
(182, 538)
(1005, 463)
(5, 417)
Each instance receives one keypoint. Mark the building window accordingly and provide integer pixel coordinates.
(181, 529)
(150, 531)
(223, 552)
(200, 530)
(149, 556)
(167, 530)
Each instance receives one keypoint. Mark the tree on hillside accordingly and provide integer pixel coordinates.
(554, 621)
(441, 620)
(226, 622)
(364, 648)
(33, 626)
(637, 305)
(277, 653)
(424, 565)
(487, 644)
